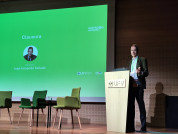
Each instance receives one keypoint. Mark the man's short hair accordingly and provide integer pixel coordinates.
(135, 45)
(30, 48)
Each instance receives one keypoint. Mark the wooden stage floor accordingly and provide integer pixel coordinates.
(6, 128)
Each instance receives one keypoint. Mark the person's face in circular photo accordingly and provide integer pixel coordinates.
(30, 52)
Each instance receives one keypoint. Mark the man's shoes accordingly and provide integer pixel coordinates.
(130, 130)
(141, 131)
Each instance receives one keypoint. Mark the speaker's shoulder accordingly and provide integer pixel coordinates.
(142, 58)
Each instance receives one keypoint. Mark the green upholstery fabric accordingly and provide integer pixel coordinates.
(39, 97)
(69, 102)
(76, 93)
(5, 99)
(38, 101)
(60, 102)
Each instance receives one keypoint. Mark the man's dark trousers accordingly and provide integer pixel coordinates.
(138, 92)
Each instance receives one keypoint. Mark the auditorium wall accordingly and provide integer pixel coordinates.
(153, 26)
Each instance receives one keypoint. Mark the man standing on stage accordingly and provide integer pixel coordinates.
(138, 72)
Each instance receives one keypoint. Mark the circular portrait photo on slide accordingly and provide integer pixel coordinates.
(30, 53)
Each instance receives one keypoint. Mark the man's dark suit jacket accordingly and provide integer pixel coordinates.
(142, 63)
(32, 57)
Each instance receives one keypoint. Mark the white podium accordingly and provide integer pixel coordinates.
(116, 91)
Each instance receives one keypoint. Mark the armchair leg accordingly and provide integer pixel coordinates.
(60, 118)
(9, 115)
(31, 117)
(20, 116)
(78, 119)
(55, 117)
(43, 115)
(37, 118)
(72, 119)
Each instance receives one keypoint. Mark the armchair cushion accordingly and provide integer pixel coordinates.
(38, 101)
(71, 102)
(25, 103)
(67, 102)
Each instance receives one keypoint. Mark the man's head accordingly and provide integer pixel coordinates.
(30, 51)
(134, 50)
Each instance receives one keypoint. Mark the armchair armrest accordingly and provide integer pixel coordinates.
(25, 102)
(71, 102)
(5, 102)
(41, 102)
(60, 102)
(8, 102)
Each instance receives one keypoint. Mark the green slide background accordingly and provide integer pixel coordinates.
(71, 54)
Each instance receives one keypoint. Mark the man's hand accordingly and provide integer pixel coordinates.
(138, 71)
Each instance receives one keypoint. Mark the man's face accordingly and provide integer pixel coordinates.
(133, 51)
(30, 51)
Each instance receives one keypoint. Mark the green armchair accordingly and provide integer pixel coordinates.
(68, 103)
(38, 102)
(5, 101)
